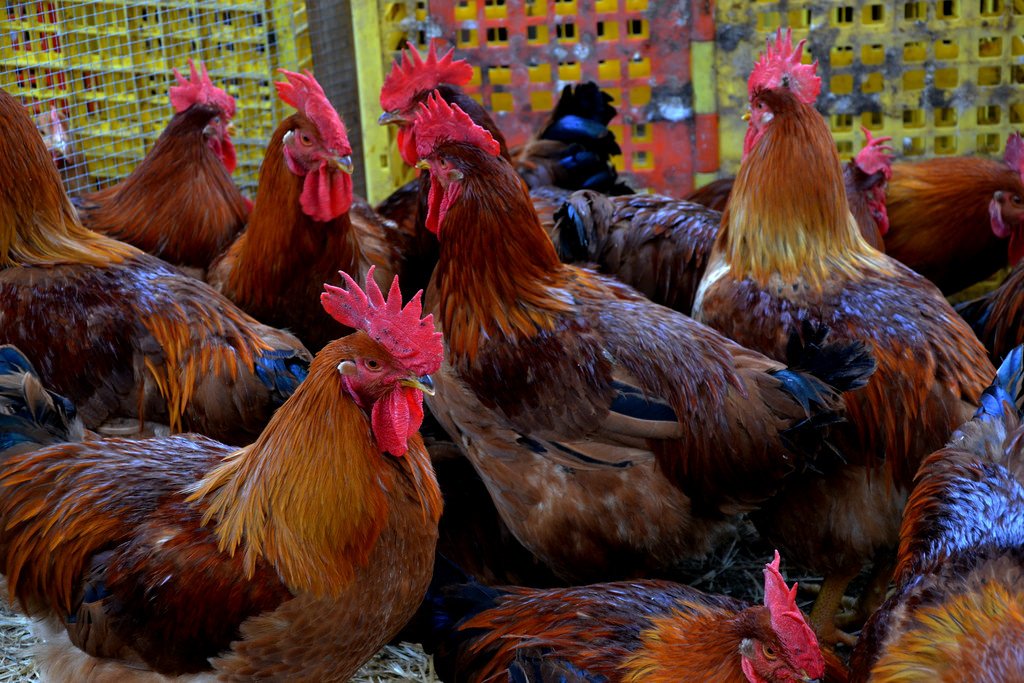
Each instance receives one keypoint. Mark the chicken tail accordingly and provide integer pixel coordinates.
(281, 371)
(977, 312)
(579, 230)
(1008, 388)
(30, 415)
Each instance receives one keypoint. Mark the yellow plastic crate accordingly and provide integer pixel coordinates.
(942, 77)
(106, 66)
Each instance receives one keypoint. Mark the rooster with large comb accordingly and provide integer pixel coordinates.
(789, 249)
(616, 436)
(179, 203)
(294, 558)
(644, 630)
(306, 223)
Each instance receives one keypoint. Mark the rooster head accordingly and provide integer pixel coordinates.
(779, 67)
(393, 353)
(409, 80)
(317, 148)
(875, 162)
(436, 125)
(199, 91)
(1006, 212)
(787, 649)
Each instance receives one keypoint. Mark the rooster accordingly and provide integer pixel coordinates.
(304, 225)
(616, 436)
(789, 250)
(65, 150)
(294, 558)
(941, 220)
(572, 150)
(179, 203)
(958, 610)
(129, 339)
(635, 631)
(661, 246)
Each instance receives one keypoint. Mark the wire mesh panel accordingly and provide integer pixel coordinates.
(96, 74)
(942, 77)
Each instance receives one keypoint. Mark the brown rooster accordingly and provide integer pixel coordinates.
(121, 333)
(294, 558)
(304, 225)
(627, 632)
(939, 212)
(179, 203)
(957, 615)
(789, 250)
(616, 436)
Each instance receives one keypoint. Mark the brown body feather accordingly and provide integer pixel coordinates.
(958, 610)
(998, 316)
(536, 353)
(277, 268)
(119, 332)
(939, 220)
(179, 203)
(296, 557)
(789, 250)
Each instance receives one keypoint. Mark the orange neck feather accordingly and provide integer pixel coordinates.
(498, 272)
(707, 635)
(312, 501)
(787, 215)
(281, 243)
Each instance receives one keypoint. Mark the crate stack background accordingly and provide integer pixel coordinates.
(106, 67)
(940, 76)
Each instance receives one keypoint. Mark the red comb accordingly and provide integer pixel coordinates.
(874, 157)
(409, 339)
(780, 66)
(1014, 155)
(305, 94)
(199, 90)
(437, 123)
(412, 75)
(788, 621)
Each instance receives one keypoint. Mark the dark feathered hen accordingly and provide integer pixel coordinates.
(958, 610)
(790, 250)
(122, 334)
(615, 435)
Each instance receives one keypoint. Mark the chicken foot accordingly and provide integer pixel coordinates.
(826, 607)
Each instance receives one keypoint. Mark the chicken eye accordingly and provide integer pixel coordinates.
(769, 652)
(373, 365)
(1016, 199)
(216, 119)
(305, 139)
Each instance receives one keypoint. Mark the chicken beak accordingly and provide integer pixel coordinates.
(231, 128)
(424, 384)
(343, 164)
(390, 117)
(422, 165)
(746, 115)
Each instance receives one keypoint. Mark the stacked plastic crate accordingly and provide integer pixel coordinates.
(105, 67)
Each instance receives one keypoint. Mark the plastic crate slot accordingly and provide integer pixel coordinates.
(566, 32)
(841, 55)
(842, 15)
(873, 82)
(913, 80)
(844, 147)
(990, 47)
(946, 49)
(467, 38)
(767, 21)
(565, 7)
(1017, 113)
(607, 30)
(842, 122)
(465, 9)
(640, 95)
(945, 144)
(989, 115)
(842, 84)
(948, 10)
(641, 132)
(477, 78)
(990, 8)
(604, 6)
(497, 35)
(1017, 73)
(502, 101)
(637, 28)
(915, 51)
(913, 118)
(913, 146)
(639, 67)
(537, 34)
(873, 14)
(872, 55)
(1018, 6)
(871, 120)
(569, 71)
(539, 73)
(990, 75)
(499, 75)
(799, 18)
(988, 143)
(945, 117)
(641, 158)
(495, 9)
(609, 69)
(636, 5)
(947, 78)
(541, 100)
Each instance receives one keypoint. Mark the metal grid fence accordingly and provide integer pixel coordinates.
(96, 74)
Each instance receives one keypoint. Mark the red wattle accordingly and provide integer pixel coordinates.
(407, 146)
(326, 194)
(395, 417)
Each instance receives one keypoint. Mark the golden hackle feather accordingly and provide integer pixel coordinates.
(38, 225)
(787, 216)
(260, 501)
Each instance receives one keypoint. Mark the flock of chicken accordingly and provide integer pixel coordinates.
(187, 492)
